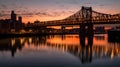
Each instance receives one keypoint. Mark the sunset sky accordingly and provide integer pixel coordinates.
(45, 10)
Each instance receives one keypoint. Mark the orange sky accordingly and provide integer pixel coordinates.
(32, 19)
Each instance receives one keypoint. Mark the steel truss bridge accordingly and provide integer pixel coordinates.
(85, 15)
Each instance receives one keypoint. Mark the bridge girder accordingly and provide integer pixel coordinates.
(86, 14)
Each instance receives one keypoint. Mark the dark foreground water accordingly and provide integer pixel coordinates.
(59, 51)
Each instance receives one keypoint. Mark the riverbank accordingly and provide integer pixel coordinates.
(12, 35)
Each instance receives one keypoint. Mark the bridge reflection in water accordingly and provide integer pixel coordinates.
(84, 48)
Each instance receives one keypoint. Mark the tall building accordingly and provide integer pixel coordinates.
(13, 16)
(20, 22)
(20, 19)
(15, 24)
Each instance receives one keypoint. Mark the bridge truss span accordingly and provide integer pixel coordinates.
(81, 17)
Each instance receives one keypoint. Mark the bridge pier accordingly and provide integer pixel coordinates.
(63, 29)
(86, 34)
(86, 29)
(84, 37)
(86, 46)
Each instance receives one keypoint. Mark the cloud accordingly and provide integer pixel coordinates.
(4, 16)
(25, 10)
(53, 13)
(25, 13)
(3, 6)
(40, 14)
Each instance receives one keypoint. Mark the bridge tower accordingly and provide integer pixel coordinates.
(86, 33)
(86, 27)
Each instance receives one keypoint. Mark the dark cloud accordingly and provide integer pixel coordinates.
(4, 15)
(40, 14)
(27, 14)
(43, 14)
(53, 14)
(4, 6)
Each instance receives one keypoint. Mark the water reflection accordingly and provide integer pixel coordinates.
(12, 45)
(86, 43)
(86, 49)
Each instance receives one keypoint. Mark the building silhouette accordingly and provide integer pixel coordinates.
(20, 19)
(19, 23)
(13, 16)
(12, 24)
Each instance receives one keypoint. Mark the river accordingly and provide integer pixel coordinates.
(59, 51)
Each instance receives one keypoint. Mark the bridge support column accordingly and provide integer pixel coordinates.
(86, 28)
(86, 35)
(86, 31)
(63, 29)
(90, 29)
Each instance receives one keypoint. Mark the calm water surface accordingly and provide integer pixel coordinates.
(59, 51)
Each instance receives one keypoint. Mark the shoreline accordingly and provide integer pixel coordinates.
(13, 35)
